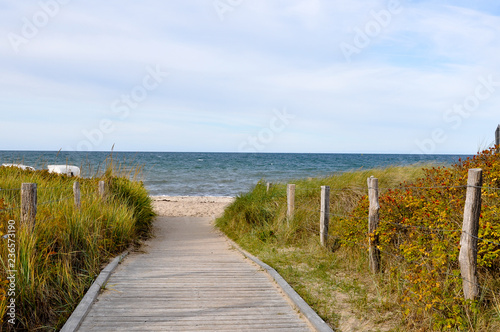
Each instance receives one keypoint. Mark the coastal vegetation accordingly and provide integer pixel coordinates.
(56, 260)
(421, 209)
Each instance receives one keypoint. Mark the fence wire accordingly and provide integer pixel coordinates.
(481, 239)
(56, 200)
(420, 227)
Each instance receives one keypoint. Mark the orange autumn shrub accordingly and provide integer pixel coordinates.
(419, 238)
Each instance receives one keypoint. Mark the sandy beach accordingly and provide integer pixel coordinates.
(190, 206)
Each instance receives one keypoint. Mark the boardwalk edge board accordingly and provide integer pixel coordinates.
(83, 308)
(311, 316)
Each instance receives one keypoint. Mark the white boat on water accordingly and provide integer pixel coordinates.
(21, 166)
(64, 169)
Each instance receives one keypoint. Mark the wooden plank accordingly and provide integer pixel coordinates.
(189, 279)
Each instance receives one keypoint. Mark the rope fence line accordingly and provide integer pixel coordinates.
(469, 229)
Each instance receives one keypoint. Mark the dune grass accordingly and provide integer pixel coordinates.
(419, 287)
(58, 259)
(334, 282)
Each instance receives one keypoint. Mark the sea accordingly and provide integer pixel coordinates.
(217, 174)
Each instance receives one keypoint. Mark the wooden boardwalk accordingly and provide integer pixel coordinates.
(189, 279)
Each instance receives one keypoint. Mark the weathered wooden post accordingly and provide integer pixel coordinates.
(467, 257)
(290, 195)
(497, 138)
(373, 219)
(77, 194)
(324, 215)
(28, 203)
(269, 185)
(102, 190)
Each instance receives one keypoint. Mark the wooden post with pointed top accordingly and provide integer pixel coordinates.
(325, 215)
(467, 257)
(269, 185)
(373, 219)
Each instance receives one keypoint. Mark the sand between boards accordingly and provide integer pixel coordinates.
(190, 206)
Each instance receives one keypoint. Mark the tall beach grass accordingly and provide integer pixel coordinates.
(58, 259)
(257, 221)
(336, 280)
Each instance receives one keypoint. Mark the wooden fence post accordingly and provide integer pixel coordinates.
(467, 257)
(373, 219)
(102, 190)
(77, 194)
(497, 138)
(269, 185)
(325, 214)
(28, 203)
(290, 194)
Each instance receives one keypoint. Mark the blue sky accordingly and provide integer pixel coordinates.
(250, 75)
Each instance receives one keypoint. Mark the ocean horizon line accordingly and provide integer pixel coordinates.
(258, 152)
